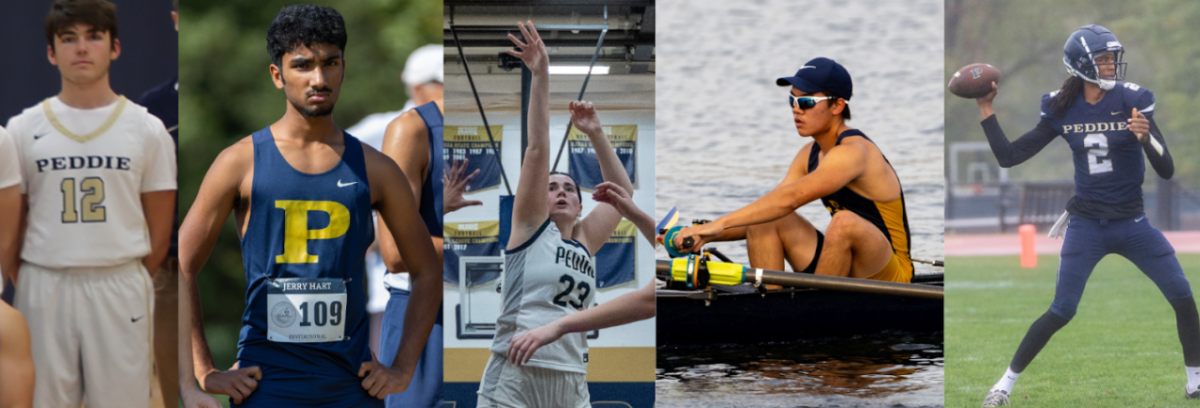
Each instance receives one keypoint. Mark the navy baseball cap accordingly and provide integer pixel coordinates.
(821, 74)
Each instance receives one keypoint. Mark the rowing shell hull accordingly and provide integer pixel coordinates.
(738, 315)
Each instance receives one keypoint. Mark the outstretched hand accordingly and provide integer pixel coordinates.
(533, 50)
(454, 185)
(237, 383)
(1139, 125)
(612, 194)
(583, 117)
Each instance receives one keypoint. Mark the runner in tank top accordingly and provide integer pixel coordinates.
(302, 192)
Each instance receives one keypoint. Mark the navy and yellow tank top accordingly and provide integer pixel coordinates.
(891, 217)
(303, 251)
(431, 189)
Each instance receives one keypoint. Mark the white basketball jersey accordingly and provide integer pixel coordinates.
(547, 278)
(84, 173)
(10, 171)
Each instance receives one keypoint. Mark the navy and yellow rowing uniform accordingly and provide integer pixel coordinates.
(891, 218)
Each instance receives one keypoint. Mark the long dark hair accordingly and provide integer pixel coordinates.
(1062, 101)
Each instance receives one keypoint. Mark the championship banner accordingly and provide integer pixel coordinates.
(615, 259)
(585, 167)
(471, 143)
(480, 238)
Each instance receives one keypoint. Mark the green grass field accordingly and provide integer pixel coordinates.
(1120, 350)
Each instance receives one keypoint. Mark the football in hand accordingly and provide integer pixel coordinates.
(974, 81)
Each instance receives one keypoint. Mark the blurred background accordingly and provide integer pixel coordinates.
(227, 94)
(1024, 40)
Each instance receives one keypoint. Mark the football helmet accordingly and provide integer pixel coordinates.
(1082, 49)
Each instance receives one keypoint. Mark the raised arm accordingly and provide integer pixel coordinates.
(1014, 153)
(197, 236)
(407, 143)
(530, 208)
(397, 208)
(594, 230)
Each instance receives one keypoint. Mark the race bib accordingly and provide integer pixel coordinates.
(306, 310)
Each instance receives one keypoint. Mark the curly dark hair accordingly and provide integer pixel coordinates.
(99, 14)
(304, 24)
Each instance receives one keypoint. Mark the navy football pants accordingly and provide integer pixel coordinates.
(1087, 241)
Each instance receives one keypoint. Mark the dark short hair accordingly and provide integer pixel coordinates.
(578, 190)
(99, 14)
(304, 24)
(845, 111)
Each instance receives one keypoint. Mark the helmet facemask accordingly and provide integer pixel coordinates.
(1086, 68)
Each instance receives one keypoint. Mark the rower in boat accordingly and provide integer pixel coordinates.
(868, 236)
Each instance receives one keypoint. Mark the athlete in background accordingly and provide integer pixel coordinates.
(302, 193)
(1109, 125)
(414, 141)
(162, 101)
(16, 363)
(99, 188)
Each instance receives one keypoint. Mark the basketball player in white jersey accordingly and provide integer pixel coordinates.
(625, 309)
(10, 208)
(549, 270)
(16, 365)
(99, 188)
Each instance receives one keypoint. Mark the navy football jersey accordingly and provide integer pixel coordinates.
(1109, 164)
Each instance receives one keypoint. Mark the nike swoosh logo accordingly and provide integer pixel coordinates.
(340, 184)
(1116, 113)
(1139, 219)
(135, 319)
(36, 137)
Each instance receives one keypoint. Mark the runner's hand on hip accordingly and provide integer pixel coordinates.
(381, 381)
(237, 383)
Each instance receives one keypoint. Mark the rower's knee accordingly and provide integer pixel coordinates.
(842, 229)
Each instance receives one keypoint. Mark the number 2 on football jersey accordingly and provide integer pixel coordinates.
(583, 287)
(93, 195)
(1097, 145)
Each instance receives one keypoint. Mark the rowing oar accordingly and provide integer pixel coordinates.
(700, 273)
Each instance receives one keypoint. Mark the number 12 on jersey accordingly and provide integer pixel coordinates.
(93, 195)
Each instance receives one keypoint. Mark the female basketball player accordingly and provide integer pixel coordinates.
(548, 266)
(1108, 124)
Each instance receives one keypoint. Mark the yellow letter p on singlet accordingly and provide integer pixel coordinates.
(295, 227)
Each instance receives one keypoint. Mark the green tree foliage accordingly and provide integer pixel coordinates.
(226, 93)
(1024, 40)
